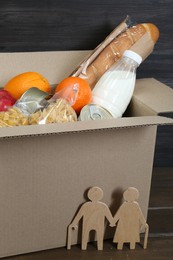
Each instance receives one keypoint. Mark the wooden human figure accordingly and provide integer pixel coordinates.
(94, 213)
(130, 221)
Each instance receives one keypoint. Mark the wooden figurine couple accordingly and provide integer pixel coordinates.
(129, 220)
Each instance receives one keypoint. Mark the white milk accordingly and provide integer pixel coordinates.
(114, 91)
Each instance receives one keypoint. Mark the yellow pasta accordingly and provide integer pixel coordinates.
(13, 117)
(59, 111)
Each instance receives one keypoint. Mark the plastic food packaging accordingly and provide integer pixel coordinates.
(124, 37)
(13, 117)
(32, 100)
(115, 88)
(18, 115)
(58, 109)
(89, 67)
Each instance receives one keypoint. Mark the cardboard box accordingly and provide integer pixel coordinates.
(46, 169)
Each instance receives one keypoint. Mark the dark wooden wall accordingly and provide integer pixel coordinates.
(40, 25)
(36, 25)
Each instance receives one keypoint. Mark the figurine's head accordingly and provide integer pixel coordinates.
(95, 194)
(131, 194)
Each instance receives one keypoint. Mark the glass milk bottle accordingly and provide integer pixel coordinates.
(115, 88)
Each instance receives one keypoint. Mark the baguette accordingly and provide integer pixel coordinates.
(113, 52)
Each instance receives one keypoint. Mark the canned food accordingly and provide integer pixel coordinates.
(32, 100)
(94, 112)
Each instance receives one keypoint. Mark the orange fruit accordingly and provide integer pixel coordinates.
(83, 96)
(22, 82)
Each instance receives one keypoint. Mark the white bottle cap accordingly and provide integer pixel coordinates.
(133, 55)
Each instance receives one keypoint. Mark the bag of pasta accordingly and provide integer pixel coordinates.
(58, 109)
(13, 117)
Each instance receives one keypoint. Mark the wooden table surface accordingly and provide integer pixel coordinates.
(160, 248)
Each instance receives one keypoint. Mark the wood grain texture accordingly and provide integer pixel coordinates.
(158, 249)
(161, 195)
(77, 25)
(160, 212)
(160, 221)
(164, 147)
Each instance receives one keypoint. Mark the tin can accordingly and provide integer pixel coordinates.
(94, 112)
(32, 100)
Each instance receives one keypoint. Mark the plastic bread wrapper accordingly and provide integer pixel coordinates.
(80, 71)
(144, 46)
(105, 55)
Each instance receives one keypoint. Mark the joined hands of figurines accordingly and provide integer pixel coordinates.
(129, 218)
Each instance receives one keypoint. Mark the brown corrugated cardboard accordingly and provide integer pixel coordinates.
(83, 126)
(160, 93)
(46, 170)
(53, 65)
(148, 98)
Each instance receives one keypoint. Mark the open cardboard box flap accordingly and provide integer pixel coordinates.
(157, 96)
(150, 97)
(83, 126)
(53, 65)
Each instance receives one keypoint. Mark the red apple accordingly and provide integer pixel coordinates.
(6, 100)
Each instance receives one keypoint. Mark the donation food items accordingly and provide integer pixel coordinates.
(69, 98)
(83, 91)
(114, 51)
(6, 100)
(112, 74)
(114, 89)
(59, 111)
(74, 93)
(18, 85)
(13, 117)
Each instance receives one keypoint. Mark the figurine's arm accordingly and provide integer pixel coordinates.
(117, 215)
(109, 216)
(77, 218)
(141, 218)
(74, 225)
